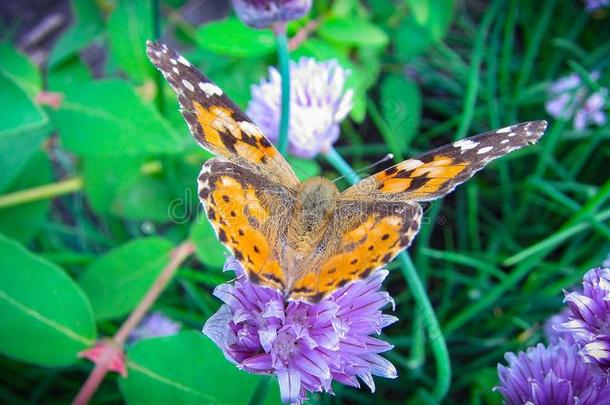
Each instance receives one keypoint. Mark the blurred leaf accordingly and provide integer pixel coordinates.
(353, 32)
(129, 26)
(304, 168)
(144, 198)
(46, 318)
(108, 118)
(232, 37)
(411, 39)
(401, 107)
(186, 368)
(22, 222)
(237, 81)
(207, 247)
(18, 109)
(20, 69)
(68, 74)
(117, 281)
(105, 178)
(86, 27)
(433, 15)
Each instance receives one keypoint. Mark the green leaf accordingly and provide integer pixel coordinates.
(108, 118)
(106, 178)
(86, 27)
(304, 168)
(433, 15)
(20, 69)
(231, 37)
(117, 281)
(207, 247)
(353, 32)
(401, 107)
(411, 39)
(145, 198)
(68, 74)
(22, 222)
(46, 318)
(186, 368)
(129, 26)
(18, 110)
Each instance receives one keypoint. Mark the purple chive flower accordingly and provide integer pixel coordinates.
(570, 98)
(553, 335)
(606, 262)
(589, 317)
(263, 13)
(552, 375)
(593, 5)
(318, 103)
(306, 346)
(154, 325)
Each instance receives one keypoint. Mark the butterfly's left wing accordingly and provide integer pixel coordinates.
(436, 173)
(216, 122)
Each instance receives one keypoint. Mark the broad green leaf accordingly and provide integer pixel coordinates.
(86, 27)
(186, 368)
(401, 107)
(19, 68)
(46, 318)
(129, 26)
(433, 15)
(68, 74)
(145, 198)
(22, 222)
(353, 32)
(117, 281)
(411, 39)
(207, 247)
(232, 37)
(106, 177)
(108, 118)
(304, 168)
(18, 110)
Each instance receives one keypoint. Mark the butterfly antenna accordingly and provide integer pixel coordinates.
(387, 157)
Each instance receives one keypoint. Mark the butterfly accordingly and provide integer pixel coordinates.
(307, 238)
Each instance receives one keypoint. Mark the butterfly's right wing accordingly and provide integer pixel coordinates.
(250, 214)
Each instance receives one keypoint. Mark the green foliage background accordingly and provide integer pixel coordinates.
(95, 193)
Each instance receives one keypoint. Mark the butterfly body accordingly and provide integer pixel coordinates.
(308, 239)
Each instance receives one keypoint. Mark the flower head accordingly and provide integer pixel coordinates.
(553, 331)
(551, 375)
(569, 98)
(589, 317)
(306, 346)
(262, 13)
(593, 5)
(154, 325)
(318, 103)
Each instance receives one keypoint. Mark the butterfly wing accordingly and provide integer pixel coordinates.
(362, 236)
(250, 214)
(215, 121)
(438, 172)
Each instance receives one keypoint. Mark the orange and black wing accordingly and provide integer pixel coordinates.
(436, 173)
(215, 121)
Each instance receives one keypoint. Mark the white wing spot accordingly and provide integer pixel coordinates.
(504, 130)
(411, 164)
(173, 61)
(484, 150)
(465, 144)
(210, 89)
(188, 85)
(175, 69)
(511, 134)
(205, 169)
(182, 60)
(504, 141)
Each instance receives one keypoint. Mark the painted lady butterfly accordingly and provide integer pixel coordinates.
(308, 238)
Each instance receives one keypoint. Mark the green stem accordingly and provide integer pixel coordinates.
(435, 334)
(283, 55)
(41, 192)
(156, 28)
